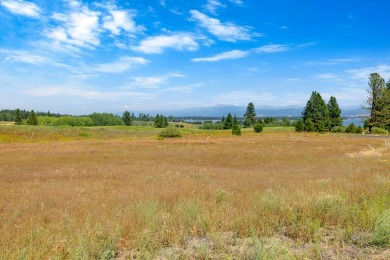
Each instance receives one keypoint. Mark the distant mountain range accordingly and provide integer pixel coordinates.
(263, 111)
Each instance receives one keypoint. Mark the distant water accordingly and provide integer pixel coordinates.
(357, 121)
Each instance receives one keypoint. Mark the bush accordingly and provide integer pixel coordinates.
(379, 131)
(338, 129)
(170, 132)
(258, 128)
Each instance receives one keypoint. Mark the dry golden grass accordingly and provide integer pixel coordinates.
(93, 193)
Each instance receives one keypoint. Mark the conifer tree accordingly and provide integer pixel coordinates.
(32, 118)
(18, 117)
(334, 113)
(250, 114)
(228, 124)
(317, 111)
(127, 118)
(376, 89)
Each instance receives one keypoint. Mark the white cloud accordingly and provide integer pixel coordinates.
(79, 27)
(212, 6)
(119, 20)
(364, 74)
(223, 31)
(235, 54)
(157, 44)
(121, 65)
(271, 48)
(20, 7)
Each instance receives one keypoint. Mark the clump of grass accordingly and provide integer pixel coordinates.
(329, 204)
(220, 196)
(382, 229)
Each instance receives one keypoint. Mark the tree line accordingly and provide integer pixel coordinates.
(317, 115)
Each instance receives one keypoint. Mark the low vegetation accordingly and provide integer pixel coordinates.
(105, 192)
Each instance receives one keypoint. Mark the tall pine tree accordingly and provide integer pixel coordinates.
(334, 113)
(250, 114)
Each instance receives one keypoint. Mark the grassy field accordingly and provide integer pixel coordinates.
(119, 192)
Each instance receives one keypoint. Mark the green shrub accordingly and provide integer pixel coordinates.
(359, 130)
(351, 128)
(170, 132)
(382, 229)
(258, 127)
(299, 126)
(379, 131)
(338, 129)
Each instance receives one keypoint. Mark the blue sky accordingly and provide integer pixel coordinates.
(73, 56)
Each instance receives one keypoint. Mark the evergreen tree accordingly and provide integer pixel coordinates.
(235, 121)
(160, 121)
(317, 111)
(334, 113)
(32, 118)
(247, 122)
(250, 113)
(127, 118)
(236, 130)
(228, 124)
(18, 117)
(376, 89)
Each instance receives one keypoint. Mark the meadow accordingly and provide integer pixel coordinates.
(121, 192)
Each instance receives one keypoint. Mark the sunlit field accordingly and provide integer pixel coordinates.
(120, 192)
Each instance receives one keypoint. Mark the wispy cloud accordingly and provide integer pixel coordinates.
(271, 48)
(123, 64)
(364, 73)
(151, 82)
(184, 89)
(333, 61)
(328, 76)
(237, 2)
(23, 57)
(87, 93)
(157, 44)
(237, 54)
(23, 8)
(230, 55)
(212, 6)
(223, 31)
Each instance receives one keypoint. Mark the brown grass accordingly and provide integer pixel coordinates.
(92, 196)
